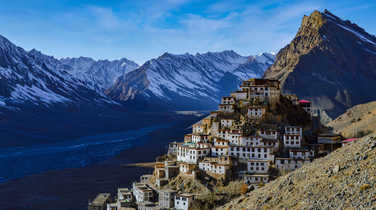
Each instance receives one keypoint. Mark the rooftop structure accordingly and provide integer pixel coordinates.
(100, 202)
(167, 198)
(142, 192)
(183, 201)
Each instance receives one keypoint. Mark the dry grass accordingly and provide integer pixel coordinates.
(358, 121)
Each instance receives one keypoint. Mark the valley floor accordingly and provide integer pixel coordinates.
(71, 188)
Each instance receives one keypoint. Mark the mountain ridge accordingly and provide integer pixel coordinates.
(188, 78)
(32, 79)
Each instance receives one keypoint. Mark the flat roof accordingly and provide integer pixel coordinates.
(101, 198)
(299, 150)
(124, 190)
(167, 190)
(327, 141)
(350, 140)
(257, 175)
(254, 160)
(187, 195)
(225, 146)
(304, 101)
(296, 159)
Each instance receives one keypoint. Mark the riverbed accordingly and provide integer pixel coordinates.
(16, 162)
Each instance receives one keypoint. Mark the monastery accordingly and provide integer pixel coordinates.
(256, 134)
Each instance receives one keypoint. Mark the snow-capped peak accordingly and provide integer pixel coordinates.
(200, 77)
(32, 78)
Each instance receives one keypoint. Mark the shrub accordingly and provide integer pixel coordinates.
(244, 189)
(365, 187)
(362, 133)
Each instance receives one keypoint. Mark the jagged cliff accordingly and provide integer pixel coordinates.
(330, 61)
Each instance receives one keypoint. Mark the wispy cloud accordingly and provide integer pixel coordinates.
(199, 24)
(105, 17)
(142, 30)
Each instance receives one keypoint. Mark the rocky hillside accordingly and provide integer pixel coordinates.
(345, 179)
(189, 81)
(330, 61)
(357, 121)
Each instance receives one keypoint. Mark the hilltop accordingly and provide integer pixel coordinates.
(343, 180)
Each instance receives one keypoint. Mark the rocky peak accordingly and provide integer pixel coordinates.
(313, 22)
(5, 43)
(8, 49)
(329, 61)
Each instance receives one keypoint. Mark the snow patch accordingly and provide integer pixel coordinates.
(34, 93)
(360, 36)
(196, 76)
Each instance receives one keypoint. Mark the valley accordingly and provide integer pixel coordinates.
(77, 172)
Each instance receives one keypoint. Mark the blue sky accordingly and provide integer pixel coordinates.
(143, 29)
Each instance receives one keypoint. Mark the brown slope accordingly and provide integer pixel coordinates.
(357, 121)
(330, 61)
(345, 179)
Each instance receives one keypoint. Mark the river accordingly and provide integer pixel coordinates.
(16, 162)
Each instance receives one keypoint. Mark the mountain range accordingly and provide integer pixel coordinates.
(100, 74)
(188, 81)
(330, 61)
(30, 79)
